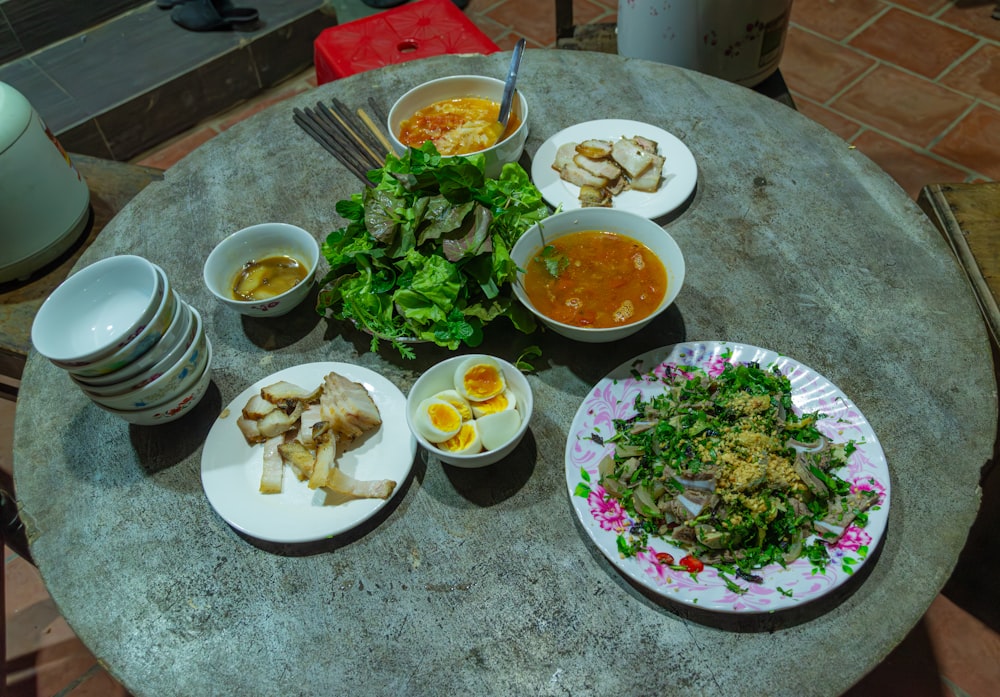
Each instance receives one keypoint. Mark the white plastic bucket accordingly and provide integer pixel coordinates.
(736, 40)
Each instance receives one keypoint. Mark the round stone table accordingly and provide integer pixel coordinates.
(482, 581)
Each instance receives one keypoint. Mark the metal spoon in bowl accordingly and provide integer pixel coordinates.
(507, 100)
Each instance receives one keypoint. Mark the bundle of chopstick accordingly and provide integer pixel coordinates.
(354, 139)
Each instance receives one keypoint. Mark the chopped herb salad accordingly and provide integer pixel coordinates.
(710, 467)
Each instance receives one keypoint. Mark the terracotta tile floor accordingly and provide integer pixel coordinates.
(914, 85)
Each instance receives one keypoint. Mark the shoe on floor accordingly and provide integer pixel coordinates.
(210, 15)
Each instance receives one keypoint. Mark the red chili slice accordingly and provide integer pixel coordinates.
(692, 564)
(665, 558)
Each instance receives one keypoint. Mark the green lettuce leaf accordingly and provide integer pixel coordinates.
(425, 253)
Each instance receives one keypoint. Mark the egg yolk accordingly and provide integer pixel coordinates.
(459, 404)
(482, 382)
(444, 416)
(461, 441)
(493, 404)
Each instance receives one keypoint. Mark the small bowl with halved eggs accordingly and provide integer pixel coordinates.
(470, 410)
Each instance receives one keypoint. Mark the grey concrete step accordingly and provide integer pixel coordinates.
(30, 25)
(126, 85)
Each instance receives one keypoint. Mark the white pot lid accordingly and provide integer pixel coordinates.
(15, 115)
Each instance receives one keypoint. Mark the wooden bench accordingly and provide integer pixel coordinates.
(968, 215)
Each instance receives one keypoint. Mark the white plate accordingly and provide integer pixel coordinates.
(680, 173)
(614, 397)
(231, 469)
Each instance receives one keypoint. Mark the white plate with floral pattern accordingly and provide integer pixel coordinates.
(780, 588)
(231, 469)
(680, 171)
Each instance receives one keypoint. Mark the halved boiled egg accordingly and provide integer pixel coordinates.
(498, 428)
(457, 401)
(505, 401)
(479, 378)
(437, 420)
(465, 442)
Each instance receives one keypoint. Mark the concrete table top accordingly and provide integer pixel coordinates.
(481, 581)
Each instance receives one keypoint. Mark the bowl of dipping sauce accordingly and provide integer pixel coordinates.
(263, 270)
(597, 274)
(470, 410)
(458, 114)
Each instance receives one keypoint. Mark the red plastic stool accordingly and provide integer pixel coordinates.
(415, 30)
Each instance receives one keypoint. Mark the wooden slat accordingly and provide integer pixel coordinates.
(968, 215)
(564, 18)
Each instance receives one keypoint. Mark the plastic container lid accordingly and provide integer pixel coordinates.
(15, 115)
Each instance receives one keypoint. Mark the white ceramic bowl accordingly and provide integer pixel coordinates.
(174, 379)
(133, 375)
(176, 405)
(144, 339)
(97, 311)
(193, 332)
(441, 377)
(259, 242)
(507, 150)
(623, 222)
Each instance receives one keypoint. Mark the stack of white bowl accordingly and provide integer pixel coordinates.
(127, 339)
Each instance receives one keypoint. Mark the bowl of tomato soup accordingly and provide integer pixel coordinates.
(597, 274)
(458, 114)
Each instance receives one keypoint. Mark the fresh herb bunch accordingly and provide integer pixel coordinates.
(425, 254)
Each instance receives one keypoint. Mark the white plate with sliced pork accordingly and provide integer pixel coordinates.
(308, 452)
(615, 163)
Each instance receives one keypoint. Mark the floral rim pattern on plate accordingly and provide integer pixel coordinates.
(604, 519)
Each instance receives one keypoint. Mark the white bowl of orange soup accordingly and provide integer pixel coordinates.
(597, 274)
(457, 114)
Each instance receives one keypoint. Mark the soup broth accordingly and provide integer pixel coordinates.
(260, 279)
(456, 126)
(595, 278)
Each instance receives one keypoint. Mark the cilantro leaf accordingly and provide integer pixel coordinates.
(553, 261)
